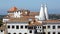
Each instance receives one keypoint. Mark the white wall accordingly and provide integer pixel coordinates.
(1, 32)
(17, 31)
(4, 20)
(51, 30)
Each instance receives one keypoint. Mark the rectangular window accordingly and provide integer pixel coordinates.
(48, 26)
(13, 26)
(44, 27)
(58, 26)
(8, 26)
(26, 26)
(21, 26)
(17, 27)
(48, 32)
(53, 27)
(53, 32)
(30, 31)
(30, 27)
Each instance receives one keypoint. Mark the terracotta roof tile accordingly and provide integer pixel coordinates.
(34, 13)
(21, 19)
(12, 9)
(35, 23)
(2, 27)
(52, 21)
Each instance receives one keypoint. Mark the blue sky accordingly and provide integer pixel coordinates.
(33, 5)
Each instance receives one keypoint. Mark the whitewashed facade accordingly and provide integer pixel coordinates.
(1, 31)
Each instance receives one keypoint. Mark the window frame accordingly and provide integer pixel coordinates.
(1, 30)
(53, 32)
(14, 33)
(25, 33)
(48, 26)
(21, 26)
(48, 32)
(26, 26)
(17, 26)
(20, 33)
(58, 26)
(13, 26)
(30, 31)
(54, 27)
(44, 27)
(8, 26)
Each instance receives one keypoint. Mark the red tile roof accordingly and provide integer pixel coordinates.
(12, 9)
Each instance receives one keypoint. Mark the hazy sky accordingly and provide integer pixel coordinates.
(33, 5)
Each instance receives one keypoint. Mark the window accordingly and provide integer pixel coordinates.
(17, 27)
(13, 26)
(21, 26)
(40, 30)
(53, 27)
(40, 26)
(48, 32)
(48, 26)
(30, 31)
(25, 33)
(58, 26)
(14, 33)
(25, 26)
(9, 33)
(30, 27)
(44, 27)
(58, 32)
(53, 32)
(1, 30)
(19, 33)
(8, 26)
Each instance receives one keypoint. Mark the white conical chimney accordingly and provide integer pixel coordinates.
(46, 12)
(41, 14)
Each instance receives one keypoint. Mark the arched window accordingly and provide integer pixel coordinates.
(14, 33)
(25, 33)
(9, 33)
(20, 33)
(1, 30)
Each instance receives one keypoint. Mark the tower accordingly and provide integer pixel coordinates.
(41, 14)
(46, 12)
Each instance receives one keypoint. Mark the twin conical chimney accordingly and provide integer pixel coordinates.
(43, 15)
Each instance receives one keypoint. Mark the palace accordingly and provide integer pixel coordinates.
(21, 21)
